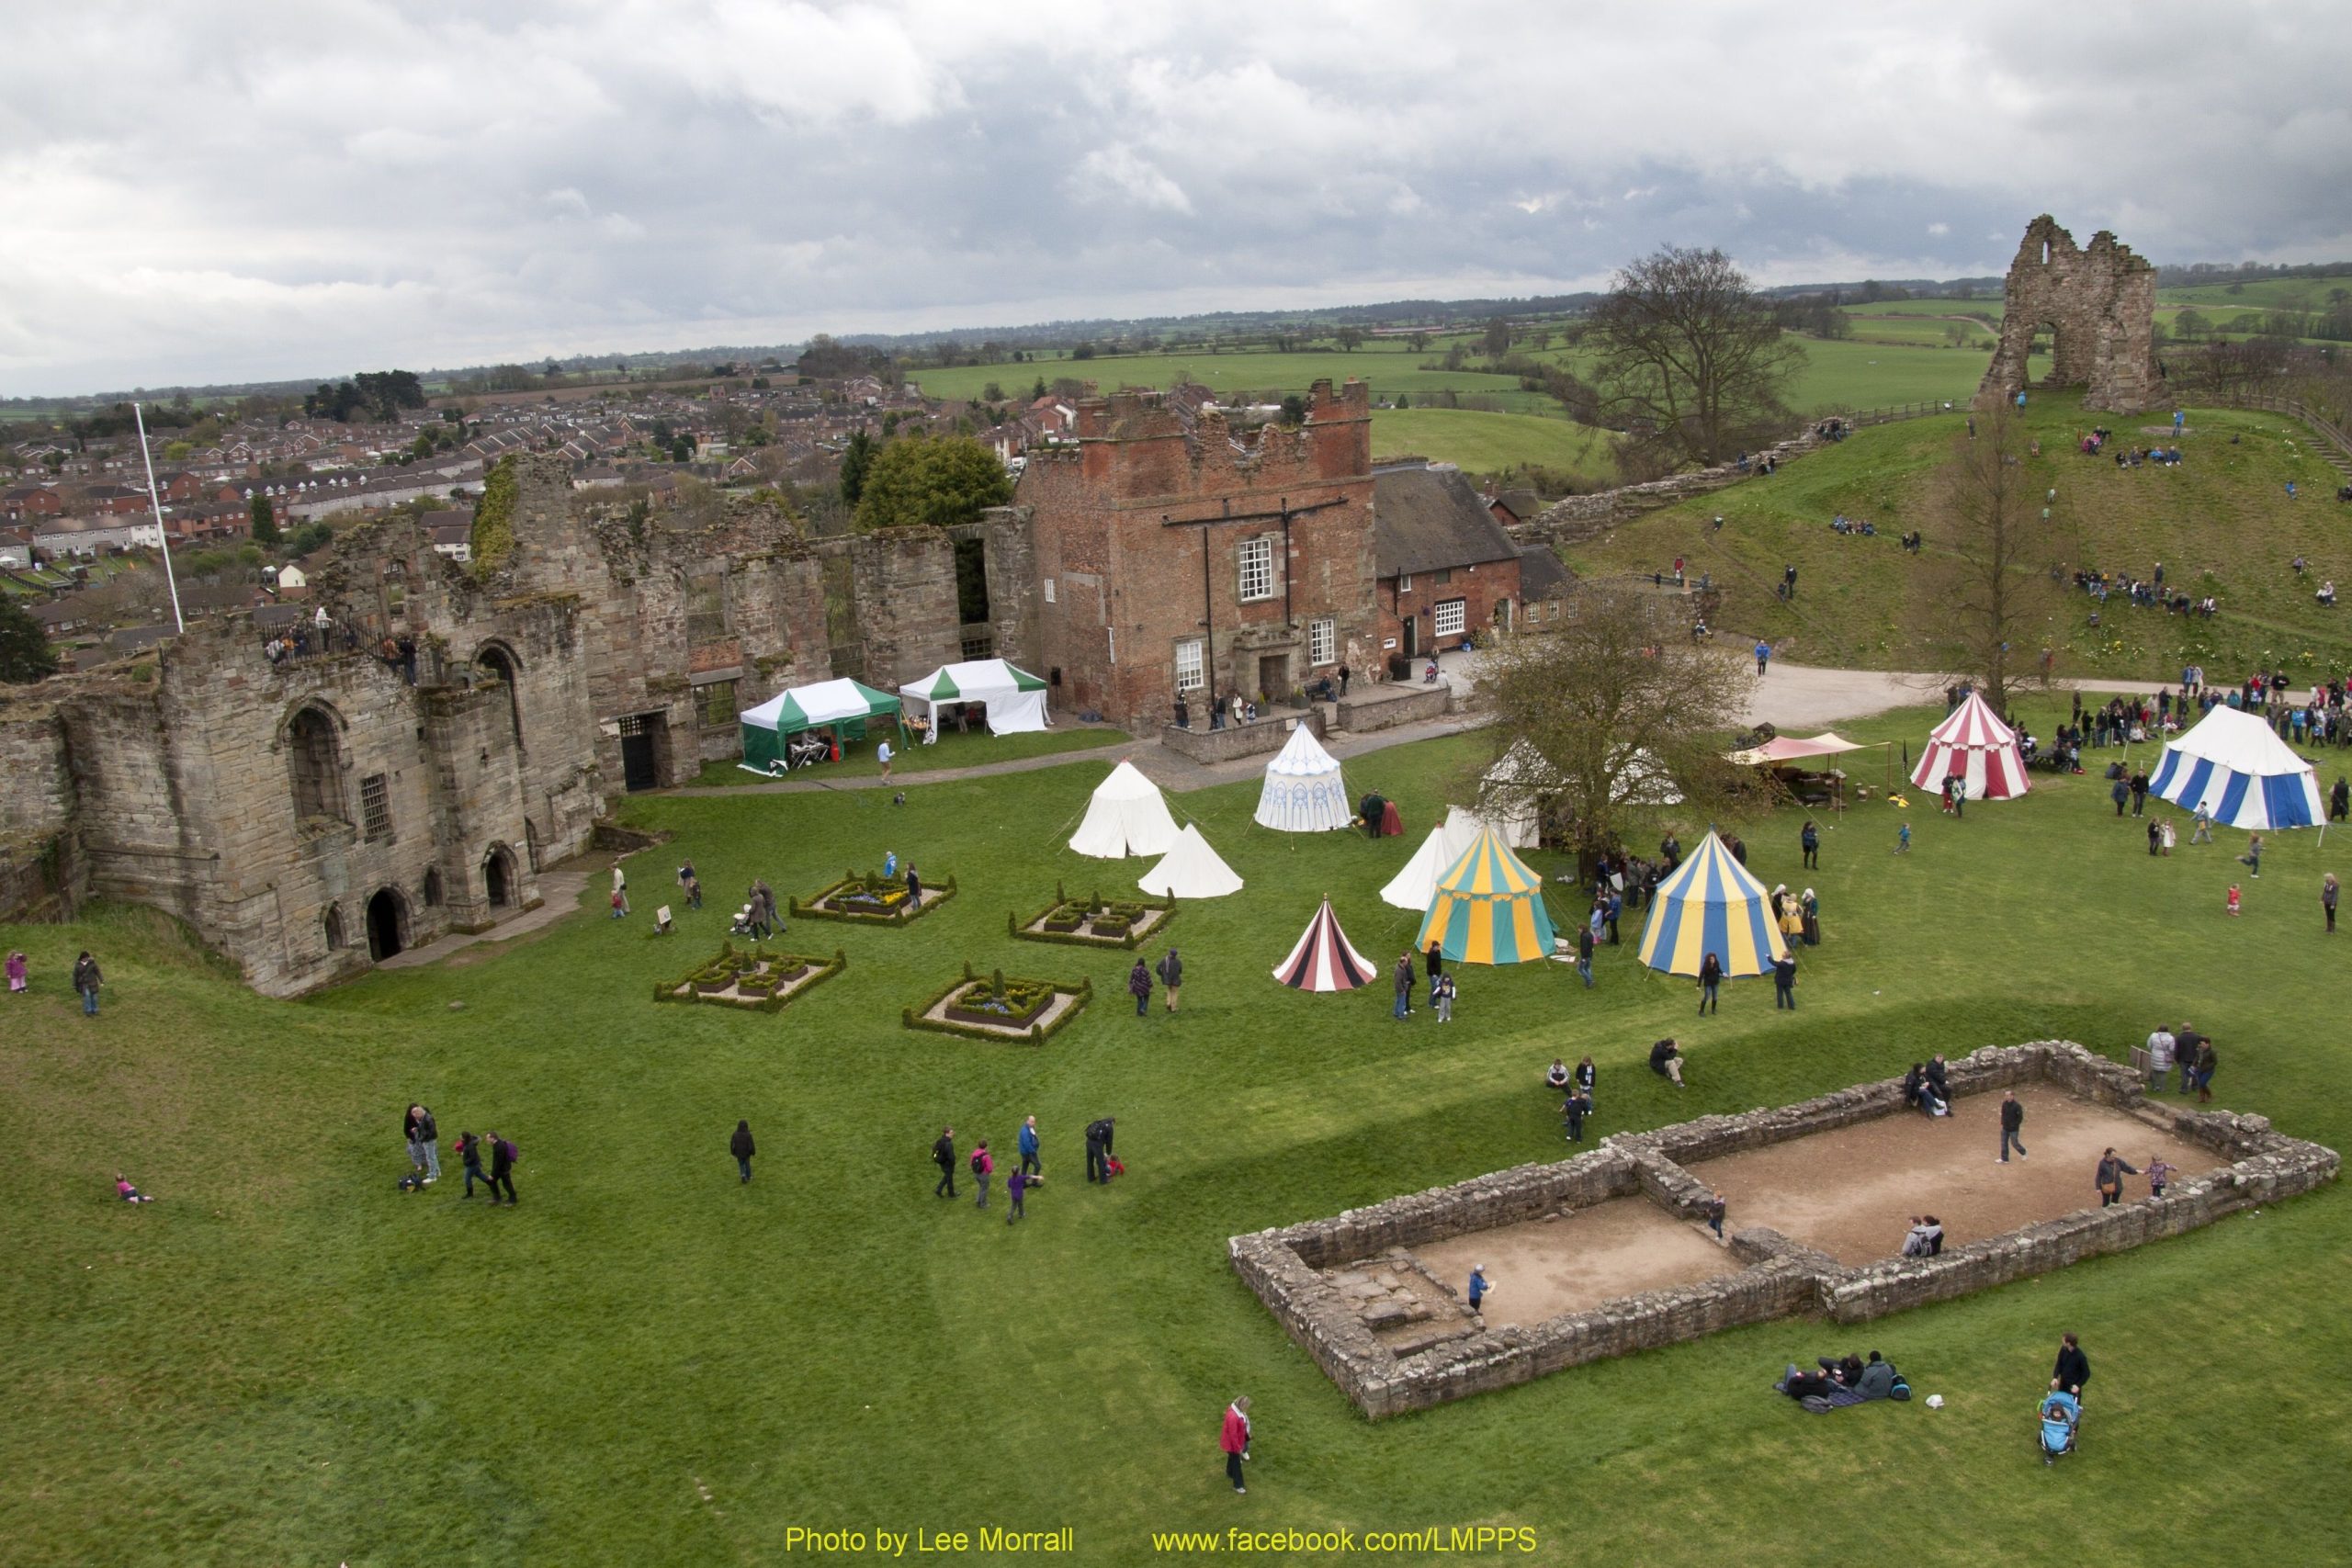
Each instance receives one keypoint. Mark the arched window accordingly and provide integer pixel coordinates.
(334, 928)
(496, 659)
(314, 753)
(432, 888)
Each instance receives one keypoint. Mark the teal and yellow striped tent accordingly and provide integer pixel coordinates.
(1712, 905)
(1489, 907)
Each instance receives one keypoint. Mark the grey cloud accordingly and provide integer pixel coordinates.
(202, 193)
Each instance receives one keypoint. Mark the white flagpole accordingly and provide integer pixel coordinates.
(155, 501)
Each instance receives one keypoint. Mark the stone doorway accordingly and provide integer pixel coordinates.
(1273, 675)
(387, 924)
(498, 877)
(642, 737)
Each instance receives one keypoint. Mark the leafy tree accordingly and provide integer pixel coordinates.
(1993, 583)
(25, 653)
(1689, 352)
(1403, 401)
(178, 451)
(939, 481)
(1349, 338)
(1497, 338)
(890, 423)
(1293, 409)
(682, 450)
(311, 537)
(857, 458)
(992, 393)
(264, 520)
(1623, 710)
(1039, 390)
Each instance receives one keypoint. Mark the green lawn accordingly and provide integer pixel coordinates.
(2221, 522)
(2262, 294)
(285, 1360)
(1921, 331)
(1390, 366)
(1493, 443)
(954, 748)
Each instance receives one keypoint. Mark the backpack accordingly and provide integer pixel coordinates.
(975, 1162)
(514, 1155)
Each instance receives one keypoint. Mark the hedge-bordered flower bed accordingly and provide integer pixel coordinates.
(1093, 908)
(755, 975)
(1082, 991)
(892, 913)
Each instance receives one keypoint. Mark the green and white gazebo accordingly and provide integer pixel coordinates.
(1014, 698)
(845, 706)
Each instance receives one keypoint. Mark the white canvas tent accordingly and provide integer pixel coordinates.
(1304, 792)
(1191, 870)
(1126, 817)
(1511, 794)
(2235, 766)
(1413, 888)
(1016, 699)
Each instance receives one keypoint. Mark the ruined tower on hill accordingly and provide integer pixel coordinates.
(2099, 305)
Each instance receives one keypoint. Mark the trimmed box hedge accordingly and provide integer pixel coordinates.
(935, 893)
(1063, 917)
(1037, 1035)
(756, 975)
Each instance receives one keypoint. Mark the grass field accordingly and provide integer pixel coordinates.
(2262, 294)
(2221, 522)
(1493, 443)
(284, 1360)
(954, 748)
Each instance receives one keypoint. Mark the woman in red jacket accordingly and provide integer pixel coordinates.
(1236, 1441)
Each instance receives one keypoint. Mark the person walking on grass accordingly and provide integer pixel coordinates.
(503, 1155)
(1030, 1164)
(742, 1148)
(1809, 841)
(428, 1145)
(1172, 977)
(15, 973)
(1099, 1136)
(2328, 894)
(2119, 793)
(883, 755)
(620, 891)
(1573, 1112)
(87, 980)
(1433, 961)
(1404, 984)
(2012, 1124)
(1139, 986)
(1584, 955)
(1711, 979)
(1235, 1441)
(2203, 833)
(1441, 997)
(2251, 859)
(942, 1155)
(1784, 982)
(1016, 1188)
(409, 1121)
(983, 1166)
(2073, 1371)
(469, 1153)
(2206, 1062)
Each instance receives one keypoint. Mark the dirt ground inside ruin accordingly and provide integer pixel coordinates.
(1851, 1192)
(1545, 1267)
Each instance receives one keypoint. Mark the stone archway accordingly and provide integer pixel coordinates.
(500, 883)
(387, 924)
(2097, 303)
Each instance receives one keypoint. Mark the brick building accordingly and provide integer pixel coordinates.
(1447, 570)
(1177, 552)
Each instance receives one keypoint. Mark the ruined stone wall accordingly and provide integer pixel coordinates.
(905, 583)
(2100, 304)
(1779, 1277)
(40, 874)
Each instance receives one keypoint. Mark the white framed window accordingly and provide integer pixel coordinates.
(1257, 570)
(1451, 617)
(1404, 582)
(1050, 591)
(1189, 677)
(1322, 641)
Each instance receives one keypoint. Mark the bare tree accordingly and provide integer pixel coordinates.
(1622, 712)
(1690, 355)
(1996, 580)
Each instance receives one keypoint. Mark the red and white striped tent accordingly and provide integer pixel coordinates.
(1974, 744)
(1324, 960)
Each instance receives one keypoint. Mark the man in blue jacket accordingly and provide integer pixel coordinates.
(1029, 1165)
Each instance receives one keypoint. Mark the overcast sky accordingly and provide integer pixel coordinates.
(238, 190)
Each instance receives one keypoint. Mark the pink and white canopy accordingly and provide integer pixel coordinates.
(1974, 744)
(1324, 960)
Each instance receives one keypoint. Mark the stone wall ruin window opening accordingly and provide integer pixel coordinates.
(716, 699)
(498, 877)
(497, 659)
(432, 888)
(314, 754)
(972, 582)
(387, 924)
(375, 808)
(332, 925)
(531, 841)
(707, 610)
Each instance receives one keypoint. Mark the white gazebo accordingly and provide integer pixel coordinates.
(1191, 870)
(1016, 699)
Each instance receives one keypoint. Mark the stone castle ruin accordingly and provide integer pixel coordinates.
(2099, 305)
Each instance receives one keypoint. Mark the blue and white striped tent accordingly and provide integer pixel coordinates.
(1712, 905)
(2234, 765)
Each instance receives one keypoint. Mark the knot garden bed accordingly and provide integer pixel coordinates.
(870, 898)
(760, 978)
(996, 1006)
(1351, 1291)
(1093, 920)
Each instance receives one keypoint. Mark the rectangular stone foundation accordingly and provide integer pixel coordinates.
(1778, 1278)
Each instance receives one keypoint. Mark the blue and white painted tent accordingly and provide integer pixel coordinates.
(2235, 766)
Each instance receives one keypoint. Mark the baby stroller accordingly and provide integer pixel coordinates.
(2061, 1420)
(742, 925)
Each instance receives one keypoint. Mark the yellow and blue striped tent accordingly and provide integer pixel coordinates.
(1489, 907)
(1712, 905)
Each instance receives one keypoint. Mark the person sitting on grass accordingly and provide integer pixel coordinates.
(127, 1192)
(1665, 1060)
(1555, 1078)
